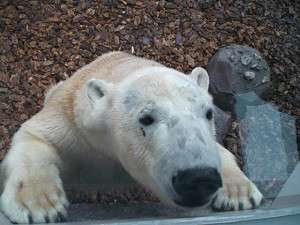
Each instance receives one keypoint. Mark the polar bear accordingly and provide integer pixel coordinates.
(156, 122)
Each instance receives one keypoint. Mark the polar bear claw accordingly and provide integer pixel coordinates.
(34, 200)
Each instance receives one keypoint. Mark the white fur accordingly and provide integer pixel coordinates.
(200, 75)
(96, 112)
(33, 186)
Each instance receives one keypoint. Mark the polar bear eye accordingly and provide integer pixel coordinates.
(146, 120)
(209, 114)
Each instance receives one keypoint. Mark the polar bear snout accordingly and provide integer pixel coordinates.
(196, 186)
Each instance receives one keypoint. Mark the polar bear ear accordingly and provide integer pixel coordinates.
(200, 76)
(97, 89)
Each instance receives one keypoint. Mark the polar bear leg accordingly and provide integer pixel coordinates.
(238, 192)
(33, 190)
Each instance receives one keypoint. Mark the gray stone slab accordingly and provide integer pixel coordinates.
(269, 147)
(289, 137)
(242, 101)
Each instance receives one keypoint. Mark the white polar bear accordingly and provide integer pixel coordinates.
(154, 121)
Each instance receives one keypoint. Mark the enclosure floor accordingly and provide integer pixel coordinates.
(87, 212)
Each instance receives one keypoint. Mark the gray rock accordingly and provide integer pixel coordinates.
(222, 123)
(237, 69)
(241, 101)
(246, 59)
(269, 147)
(289, 137)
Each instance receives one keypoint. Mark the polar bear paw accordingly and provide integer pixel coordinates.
(35, 200)
(237, 196)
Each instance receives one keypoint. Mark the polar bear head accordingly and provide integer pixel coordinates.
(161, 126)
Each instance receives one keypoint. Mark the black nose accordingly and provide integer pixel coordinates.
(195, 186)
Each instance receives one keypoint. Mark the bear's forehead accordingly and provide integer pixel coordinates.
(163, 86)
(164, 90)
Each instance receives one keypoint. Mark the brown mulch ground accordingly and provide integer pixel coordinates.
(43, 42)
